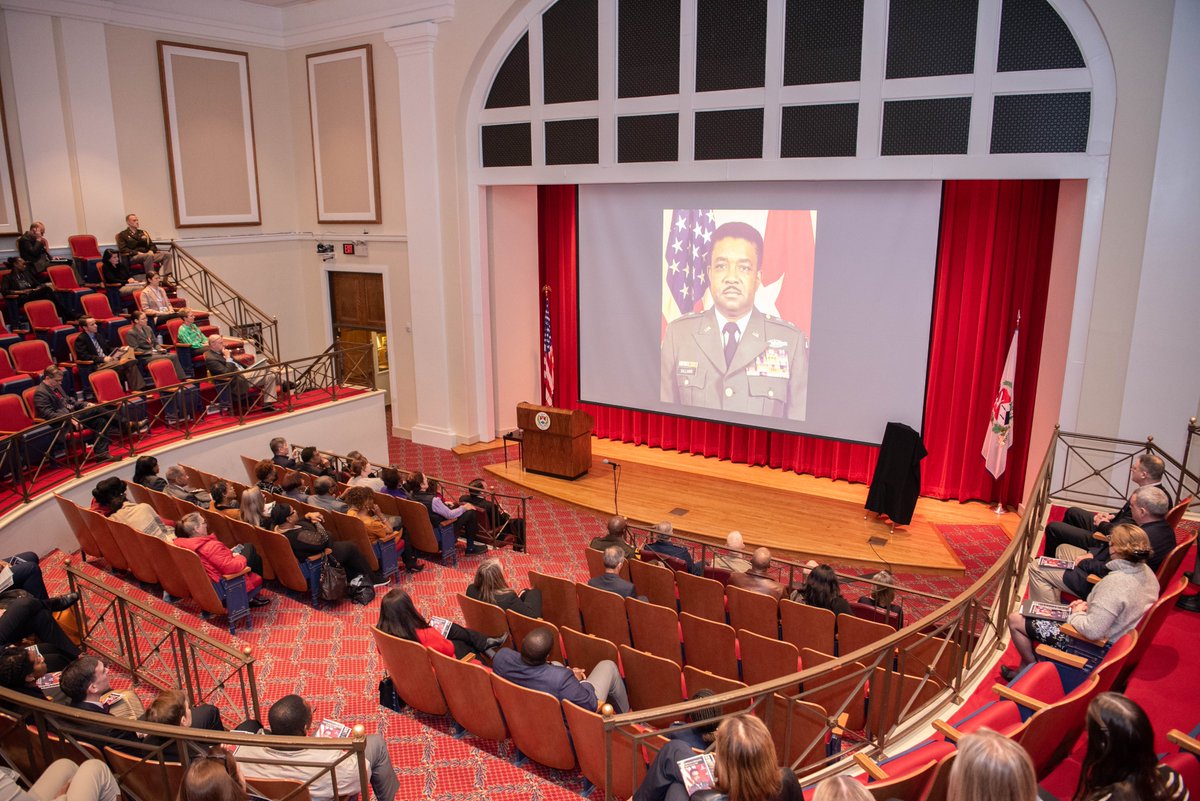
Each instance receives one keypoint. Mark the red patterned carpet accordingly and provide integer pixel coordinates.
(328, 655)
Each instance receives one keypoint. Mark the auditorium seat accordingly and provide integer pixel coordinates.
(603, 614)
(655, 582)
(172, 581)
(140, 562)
(713, 645)
(228, 596)
(7, 337)
(560, 604)
(807, 626)
(415, 518)
(654, 629)
(587, 732)
(520, 625)
(412, 674)
(905, 776)
(1148, 629)
(701, 596)
(12, 382)
(83, 535)
(854, 633)
(67, 288)
(98, 525)
(535, 721)
(695, 679)
(893, 694)
(766, 659)
(842, 690)
(485, 618)
(585, 651)
(650, 680)
(467, 689)
(753, 611)
(798, 729)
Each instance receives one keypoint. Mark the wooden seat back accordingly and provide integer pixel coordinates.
(709, 645)
(83, 535)
(603, 614)
(519, 625)
(560, 603)
(854, 633)
(842, 690)
(97, 524)
(695, 679)
(279, 789)
(1147, 630)
(798, 729)
(170, 579)
(468, 693)
(585, 651)
(753, 611)
(655, 582)
(654, 629)
(766, 659)
(276, 550)
(700, 596)
(651, 681)
(145, 778)
(200, 588)
(535, 721)
(417, 528)
(587, 732)
(893, 694)
(136, 556)
(807, 626)
(412, 673)
(482, 617)
(1172, 561)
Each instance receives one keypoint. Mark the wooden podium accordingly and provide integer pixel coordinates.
(556, 442)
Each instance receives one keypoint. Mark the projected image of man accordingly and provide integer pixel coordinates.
(732, 356)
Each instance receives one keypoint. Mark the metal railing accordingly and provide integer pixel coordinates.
(161, 651)
(206, 290)
(40, 457)
(37, 732)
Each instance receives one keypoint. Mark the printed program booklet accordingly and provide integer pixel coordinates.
(440, 624)
(331, 728)
(1044, 611)
(699, 772)
(1056, 564)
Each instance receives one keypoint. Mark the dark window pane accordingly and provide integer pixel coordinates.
(819, 131)
(572, 141)
(647, 48)
(923, 127)
(931, 37)
(1055, 123)
(507, 145)
(734, 134)
(653, 137)
(510, 87)
(731, 44)
(569, 52)
(822, 41)
(1034, 37)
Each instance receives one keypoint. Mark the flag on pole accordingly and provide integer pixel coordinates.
(999, 434)
(547, 351)
(689, 245)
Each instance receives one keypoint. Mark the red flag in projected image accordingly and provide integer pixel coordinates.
(789, 248)
(689, 244)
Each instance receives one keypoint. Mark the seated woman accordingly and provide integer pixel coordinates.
(491, 587)
(253, 507)
(114, 271)
(155, 302)
(292, 486)
(823, 590)
(360, 475)
(1113, 609)
(308, 537)
(142, 339)
(264, 474)
(361, 503)
(746, 767)
(219, 559)
(223, 500)
(1120, 762)
(882, 595)
(399, 618)
(145, 472)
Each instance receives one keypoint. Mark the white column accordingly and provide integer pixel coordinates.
(39, 115)
(94, 128)
(413, 45)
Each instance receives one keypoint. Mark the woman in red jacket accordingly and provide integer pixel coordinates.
(399, 618)
(191, 532)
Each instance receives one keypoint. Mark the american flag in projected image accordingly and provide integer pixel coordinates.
(689, 244)
(547, 354)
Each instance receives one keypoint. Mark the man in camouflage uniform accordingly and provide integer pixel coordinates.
(732, 356)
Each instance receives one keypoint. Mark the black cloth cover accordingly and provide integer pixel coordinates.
(897, 480)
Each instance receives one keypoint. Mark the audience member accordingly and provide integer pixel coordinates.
(217, 777)
(22, 615)
(116, 272)
(390, 477)
(92, 346)
(841, 788)
(35, 249)
(610, 580)
(190, 336)
(360, 475)
(137, 247)
(291, 716)
(822, 589)
(264, 474)
(617, 534)
(147, 348)
(223, 500)
(50, 402)
(757, 578)
(217, 557)
(178, 487)
(530, 669)
(219, 362)
(400, 618)
(466, 524)
(308, 537)
(20, 669)
(662, 545)
(170, 709)
(145, 472)
(746, 767)
(728, 561)
(990, 767)
(699, 737)
(109, 494)
(491, 587)
(86, 685)
(1113, 608)
(156, 303)
(882, 595)
(22, 284)
(283, 454)
(1120, 763)
(361, 503)
(25, 572)
(323, 487)
(498, 519)
(252, 507)
(65, 780)
(314, 462)
(292, 486)
(1078, 525)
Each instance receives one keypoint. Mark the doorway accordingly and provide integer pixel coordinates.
(356, 309)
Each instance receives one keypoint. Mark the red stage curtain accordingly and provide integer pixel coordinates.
(993, 258)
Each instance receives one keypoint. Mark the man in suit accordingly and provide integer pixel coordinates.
(323, 496)
(313, 462)
(35, 249)
(218, 362)
(177, 486)
(731, 356)
(618, 528)
(1078, 525)
(91, 346)
(531, 670)
(756, 579)
(1148, 506)
(50, 402)
(610, 580)
(85, 684)
(662, 545)
(282, 454)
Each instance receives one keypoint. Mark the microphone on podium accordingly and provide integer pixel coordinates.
(610, 463)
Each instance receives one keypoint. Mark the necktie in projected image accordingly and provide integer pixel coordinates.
(689, 243)
(731, 341)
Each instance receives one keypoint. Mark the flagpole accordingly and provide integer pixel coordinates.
(989, 450)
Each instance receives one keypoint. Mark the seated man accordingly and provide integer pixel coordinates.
(1148, 506)
(391, 483)
(177, 486)
(1078, 525)
(86, 685)
(727, 561)
(292, 486)
(219, 362)
(93, 347)
(618, 529)
(50, 402)
(323, 495)
(530, 669)
(137, 247)
(35, 249)
(283, 455)
(662, 544)
(757, 579)
(291, 716)
(610, 580)
(110, 500)
(493, 512)
(313, 462)
(23, 572)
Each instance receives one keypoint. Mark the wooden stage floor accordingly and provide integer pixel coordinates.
(795, 516)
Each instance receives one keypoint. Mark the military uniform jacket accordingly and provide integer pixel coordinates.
(768, 374)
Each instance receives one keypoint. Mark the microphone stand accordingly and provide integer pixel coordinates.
(616, 474)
